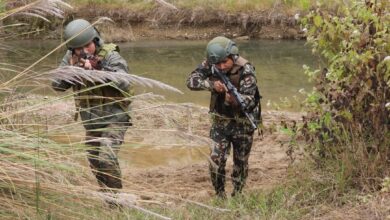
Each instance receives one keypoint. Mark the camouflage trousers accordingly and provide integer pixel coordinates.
(227, 134)
(103, 147)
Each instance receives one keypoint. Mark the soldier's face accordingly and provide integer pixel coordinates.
(90, 49)
(225, 65)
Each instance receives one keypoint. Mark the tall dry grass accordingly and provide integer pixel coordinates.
(39, 177)
(43, 178)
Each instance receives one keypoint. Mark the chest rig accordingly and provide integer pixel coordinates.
(99, 96)
(234, 75)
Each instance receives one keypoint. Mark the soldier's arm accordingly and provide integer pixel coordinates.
(62, 85)
(248, 86)
(199, 79)
(116, 63)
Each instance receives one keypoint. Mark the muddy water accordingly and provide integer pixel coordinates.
(136, 155)
(145, 157)
(278, 67)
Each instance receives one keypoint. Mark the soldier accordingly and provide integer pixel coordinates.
(103, 109)
(230, 127)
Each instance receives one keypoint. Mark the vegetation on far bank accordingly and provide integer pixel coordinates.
(135, 19)
(233, 6)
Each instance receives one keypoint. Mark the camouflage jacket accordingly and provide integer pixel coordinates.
(100, 106)
(242, 76)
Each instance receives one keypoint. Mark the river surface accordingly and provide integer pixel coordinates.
(278, 64)
(278, 68)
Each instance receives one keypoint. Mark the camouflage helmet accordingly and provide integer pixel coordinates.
(83, 38)
(219, 48)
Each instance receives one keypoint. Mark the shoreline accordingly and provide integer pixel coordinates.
(160, 23)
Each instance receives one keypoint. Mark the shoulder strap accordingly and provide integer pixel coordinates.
(235, 73)
(240, 62)
(107, 49)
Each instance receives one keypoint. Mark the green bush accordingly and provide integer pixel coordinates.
(348, 114)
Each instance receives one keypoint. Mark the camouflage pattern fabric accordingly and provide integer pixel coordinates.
(105, 116)
(103, 151)
(226, 134)
(230, 127)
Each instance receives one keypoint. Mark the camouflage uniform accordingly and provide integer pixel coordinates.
(103, 111)
(229, 126)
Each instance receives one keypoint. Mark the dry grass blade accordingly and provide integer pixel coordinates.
(77, 75)
(13, 25)
(40, 8)
(127, 200)
(166, 4)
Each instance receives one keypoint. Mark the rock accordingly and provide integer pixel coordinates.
(242, 38)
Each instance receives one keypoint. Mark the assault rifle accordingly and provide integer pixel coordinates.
(95, 62)
(232, 90)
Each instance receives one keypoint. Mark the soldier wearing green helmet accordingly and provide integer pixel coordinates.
(102, 109)
(80, 32)
(230, 128)
(219, 49)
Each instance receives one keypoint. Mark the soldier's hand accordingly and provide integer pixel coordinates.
(87, 65)
(229, 99)
(73, 60)
(95, 63)
(219, 87)
(205, 64)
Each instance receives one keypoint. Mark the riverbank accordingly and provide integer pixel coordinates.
(194, 24)
(142, 20)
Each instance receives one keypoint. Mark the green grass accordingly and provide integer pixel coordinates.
(223, 5)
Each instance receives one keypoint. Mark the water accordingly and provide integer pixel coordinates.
(278, 64)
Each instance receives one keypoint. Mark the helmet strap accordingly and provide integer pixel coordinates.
(235, 57)
(96, 41)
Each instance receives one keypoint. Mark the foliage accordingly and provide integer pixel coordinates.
(348, 118)
(223, 5)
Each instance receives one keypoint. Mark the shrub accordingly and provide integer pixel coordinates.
(348, 111)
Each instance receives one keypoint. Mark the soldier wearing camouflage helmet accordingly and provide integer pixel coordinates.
(102, 109)
(230, 128)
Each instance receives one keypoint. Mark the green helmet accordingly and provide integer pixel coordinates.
(83, 38)
(219, 48)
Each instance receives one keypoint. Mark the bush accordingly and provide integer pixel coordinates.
(348, 111)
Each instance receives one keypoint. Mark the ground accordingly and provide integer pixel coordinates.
(167, 148)
(164, 159)
(189, 178)
(268, 163)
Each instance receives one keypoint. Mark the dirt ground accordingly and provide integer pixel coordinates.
(164, 132)
(267, 164)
